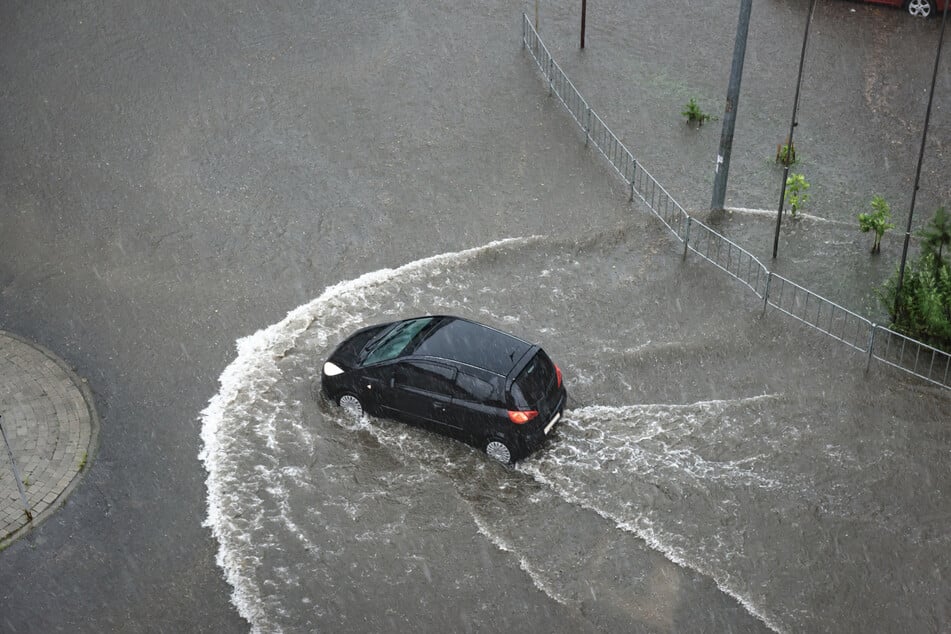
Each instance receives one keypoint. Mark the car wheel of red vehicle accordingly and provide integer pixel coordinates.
(920, 8)
(499, 450)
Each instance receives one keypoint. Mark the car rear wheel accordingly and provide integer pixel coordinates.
(499, 450)
(351, 405)
(920, 8)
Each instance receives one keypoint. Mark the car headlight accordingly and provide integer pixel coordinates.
(332, 369)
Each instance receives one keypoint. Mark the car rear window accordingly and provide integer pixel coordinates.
(534, 381)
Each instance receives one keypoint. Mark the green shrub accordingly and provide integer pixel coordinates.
(877, 221)
(937, 234)
(924, 309)
(786, 154)
(796, 196)
(693, 113)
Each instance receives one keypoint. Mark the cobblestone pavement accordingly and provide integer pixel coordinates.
(50, 422)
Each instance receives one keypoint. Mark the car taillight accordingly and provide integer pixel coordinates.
(520, 417)
(558, 373)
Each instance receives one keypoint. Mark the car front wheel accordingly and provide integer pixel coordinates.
(352, 406)
(920, 8)
(499, 450)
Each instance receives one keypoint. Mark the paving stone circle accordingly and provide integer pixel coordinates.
(51, 425)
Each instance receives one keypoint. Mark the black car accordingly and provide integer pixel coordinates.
(457, 377)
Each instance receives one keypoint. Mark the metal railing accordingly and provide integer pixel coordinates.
(856, 332)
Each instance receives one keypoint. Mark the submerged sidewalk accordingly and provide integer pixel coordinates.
(50, 421)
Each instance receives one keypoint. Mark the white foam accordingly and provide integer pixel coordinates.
(523, 563)
(237, 409)
(644, 529)
(640, 525)
(772, 214)
(238, 416)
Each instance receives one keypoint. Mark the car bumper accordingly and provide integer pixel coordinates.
(534, 439)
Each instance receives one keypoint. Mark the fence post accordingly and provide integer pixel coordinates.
(587, 127)
(551, 75)
(687, 235)
(524, 17)
(871, 346)
(16, 475)
(769, 279)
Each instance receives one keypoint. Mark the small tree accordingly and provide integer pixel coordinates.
(937, 234)
(693, 113)
(877, 221)
(796, 196)
(786, 154)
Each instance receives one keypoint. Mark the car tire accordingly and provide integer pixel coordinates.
(351, 406)
(498, 449)
(920, 8)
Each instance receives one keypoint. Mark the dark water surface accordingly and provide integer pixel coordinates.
(176, 176)
(758, 498)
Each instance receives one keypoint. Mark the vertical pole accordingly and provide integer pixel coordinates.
(769, 280)
(792, 126)
(871, 347)
(732, 101)
(921, 154)
(687, 236)
(587, 127)
(584, 10)
(536, 16)
(16, 475)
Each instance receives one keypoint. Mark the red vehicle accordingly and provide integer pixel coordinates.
(917, 8)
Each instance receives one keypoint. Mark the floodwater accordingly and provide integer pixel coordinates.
(175, 176)
(736, 507)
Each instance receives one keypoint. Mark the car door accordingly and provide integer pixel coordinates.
(476, 404)
(421, 393)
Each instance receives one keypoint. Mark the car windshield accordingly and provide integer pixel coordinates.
(395, 341)
(532, 384)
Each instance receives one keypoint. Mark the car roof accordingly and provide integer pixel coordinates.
(472, 343)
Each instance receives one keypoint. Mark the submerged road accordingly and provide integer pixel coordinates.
(178, 176)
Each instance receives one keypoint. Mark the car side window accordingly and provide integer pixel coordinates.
(472, 388)
(426, 376)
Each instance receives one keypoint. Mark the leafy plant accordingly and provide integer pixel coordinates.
(693, 113)
(924, 309)
(796, 196)
(786, 154)
(937, 234)
(877, 221)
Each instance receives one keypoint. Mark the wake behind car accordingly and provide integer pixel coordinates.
(454, 376)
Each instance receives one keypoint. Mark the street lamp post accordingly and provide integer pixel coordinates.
(584, 11)
(921, 154)
(729, 112)
(792, 126)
